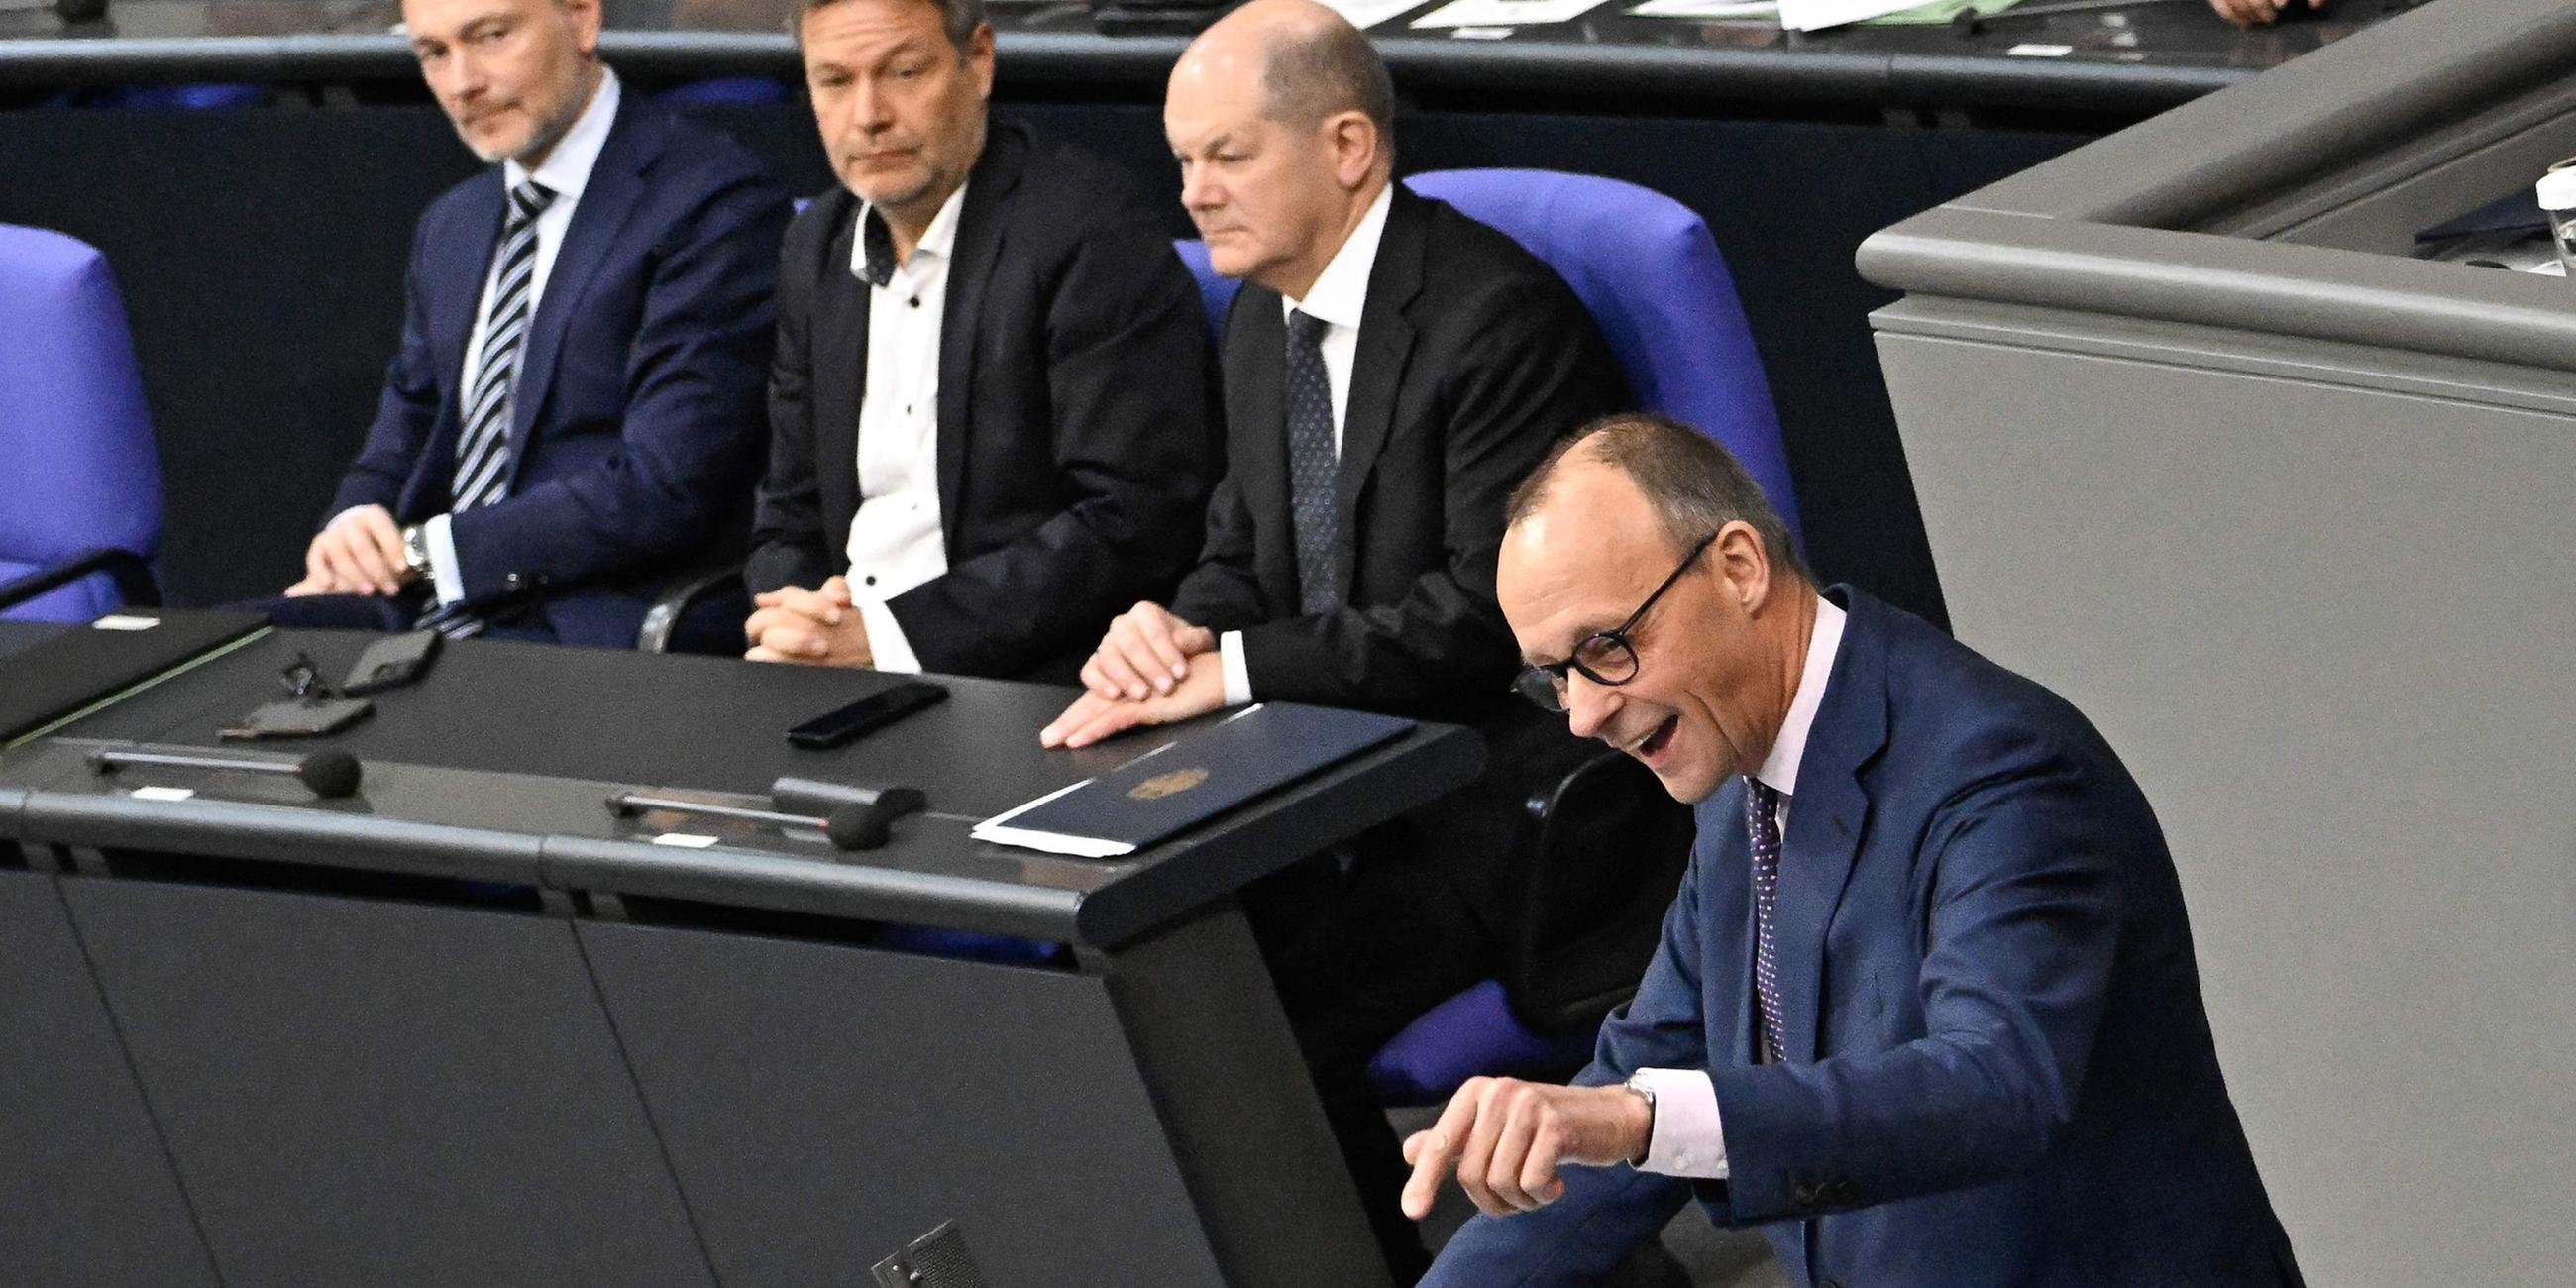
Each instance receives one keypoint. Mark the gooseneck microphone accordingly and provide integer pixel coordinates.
(329, 774)
(851, 818)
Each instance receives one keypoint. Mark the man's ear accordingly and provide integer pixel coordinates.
(1746, 566)
(1356, 147)
(979, 59)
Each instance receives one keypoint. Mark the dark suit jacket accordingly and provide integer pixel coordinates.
(635, 432)
(1474, 358)
(1076, 414)
(1998, 1070)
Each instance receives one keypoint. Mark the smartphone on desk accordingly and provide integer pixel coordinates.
(875, 711)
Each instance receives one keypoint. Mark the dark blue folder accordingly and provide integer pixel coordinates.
(1191, 779)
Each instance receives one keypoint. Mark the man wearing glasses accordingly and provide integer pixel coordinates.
(1925, 1010)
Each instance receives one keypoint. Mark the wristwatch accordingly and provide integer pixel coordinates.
(1644, 1090)
(416, 550)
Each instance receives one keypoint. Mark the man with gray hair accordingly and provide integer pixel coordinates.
(993, 408)
(1392, 368)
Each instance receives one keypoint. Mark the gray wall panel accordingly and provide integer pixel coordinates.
(826, 1104)
(377, 1095)
(86, 1194)
(2331, 629)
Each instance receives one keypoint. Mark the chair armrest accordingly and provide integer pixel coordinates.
(672, 606)
(133, 577)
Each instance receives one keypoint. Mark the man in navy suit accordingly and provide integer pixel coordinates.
(1925, 1010)
(574, 416)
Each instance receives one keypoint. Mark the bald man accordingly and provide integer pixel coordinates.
(1925, 1010)
(1392, 368)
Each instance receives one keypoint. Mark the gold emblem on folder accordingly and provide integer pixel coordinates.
(1171, 784)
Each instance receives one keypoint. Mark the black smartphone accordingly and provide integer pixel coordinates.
(392, 661)
(884, 707)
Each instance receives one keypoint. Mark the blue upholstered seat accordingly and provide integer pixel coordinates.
(80, 470)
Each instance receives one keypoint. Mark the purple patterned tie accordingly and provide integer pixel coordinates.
(1313, 458)
(1762, 825)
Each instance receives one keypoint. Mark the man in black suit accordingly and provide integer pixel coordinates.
(992, 407)
(1392, 370)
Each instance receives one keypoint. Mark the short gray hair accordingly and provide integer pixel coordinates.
(1308, 76)
(1694, 483)
(959, 18)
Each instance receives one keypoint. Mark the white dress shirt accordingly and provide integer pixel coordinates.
(1686, 1139)
(895, 542)
(565, 172)
(1338, 299)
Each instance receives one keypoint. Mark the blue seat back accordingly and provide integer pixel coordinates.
(1651, 274)
(737, 90)
(77, 465)
(1216, 293)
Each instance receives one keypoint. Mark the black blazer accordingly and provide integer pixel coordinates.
(1077, 407)
(1474, 358)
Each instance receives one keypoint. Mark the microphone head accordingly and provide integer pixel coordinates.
(856, 827)
(331, 774)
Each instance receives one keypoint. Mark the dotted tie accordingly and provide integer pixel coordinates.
(877, 245)
(1313, 461)
(1762, 824)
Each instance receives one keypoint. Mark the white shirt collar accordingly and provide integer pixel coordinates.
(1340, 293)
(1779, 770)
(939, 239)
(566, 170)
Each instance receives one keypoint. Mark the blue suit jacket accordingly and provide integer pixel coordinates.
(1997, 1067)
(638, 426)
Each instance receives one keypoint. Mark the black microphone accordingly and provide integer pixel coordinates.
(329, 774)
(850, 825)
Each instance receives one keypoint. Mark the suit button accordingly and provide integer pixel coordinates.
(1831, 1283)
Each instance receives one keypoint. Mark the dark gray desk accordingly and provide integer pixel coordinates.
(466, 1027)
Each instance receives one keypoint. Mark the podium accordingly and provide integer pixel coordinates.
(2203, 444)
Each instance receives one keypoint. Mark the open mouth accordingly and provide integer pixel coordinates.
(1653, 744)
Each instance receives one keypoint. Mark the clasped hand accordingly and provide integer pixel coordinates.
(1151, 668)
(1507, 1137)
(820, 627)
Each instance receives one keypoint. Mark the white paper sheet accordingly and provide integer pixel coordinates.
(1365, 14)
(1816, 15)
(1707, 9)
(1505, 13)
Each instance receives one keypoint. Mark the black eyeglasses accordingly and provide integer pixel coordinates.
(1604, 658)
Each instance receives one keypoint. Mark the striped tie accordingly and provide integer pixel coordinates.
(483, 451)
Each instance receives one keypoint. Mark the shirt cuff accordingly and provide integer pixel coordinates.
(1238, 673)
(886, 644)
(1686, 1140)
(444, 576)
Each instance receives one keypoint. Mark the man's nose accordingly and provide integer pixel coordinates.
(1588, 706)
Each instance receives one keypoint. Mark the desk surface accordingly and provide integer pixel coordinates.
(2144, 56)
(497, 768)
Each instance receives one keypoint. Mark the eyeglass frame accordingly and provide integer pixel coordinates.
(1555, 675)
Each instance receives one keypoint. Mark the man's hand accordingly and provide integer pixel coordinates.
(1507, 1137)
(820, 627)
(358, 553)
(1146, 650)
(1093, 717)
